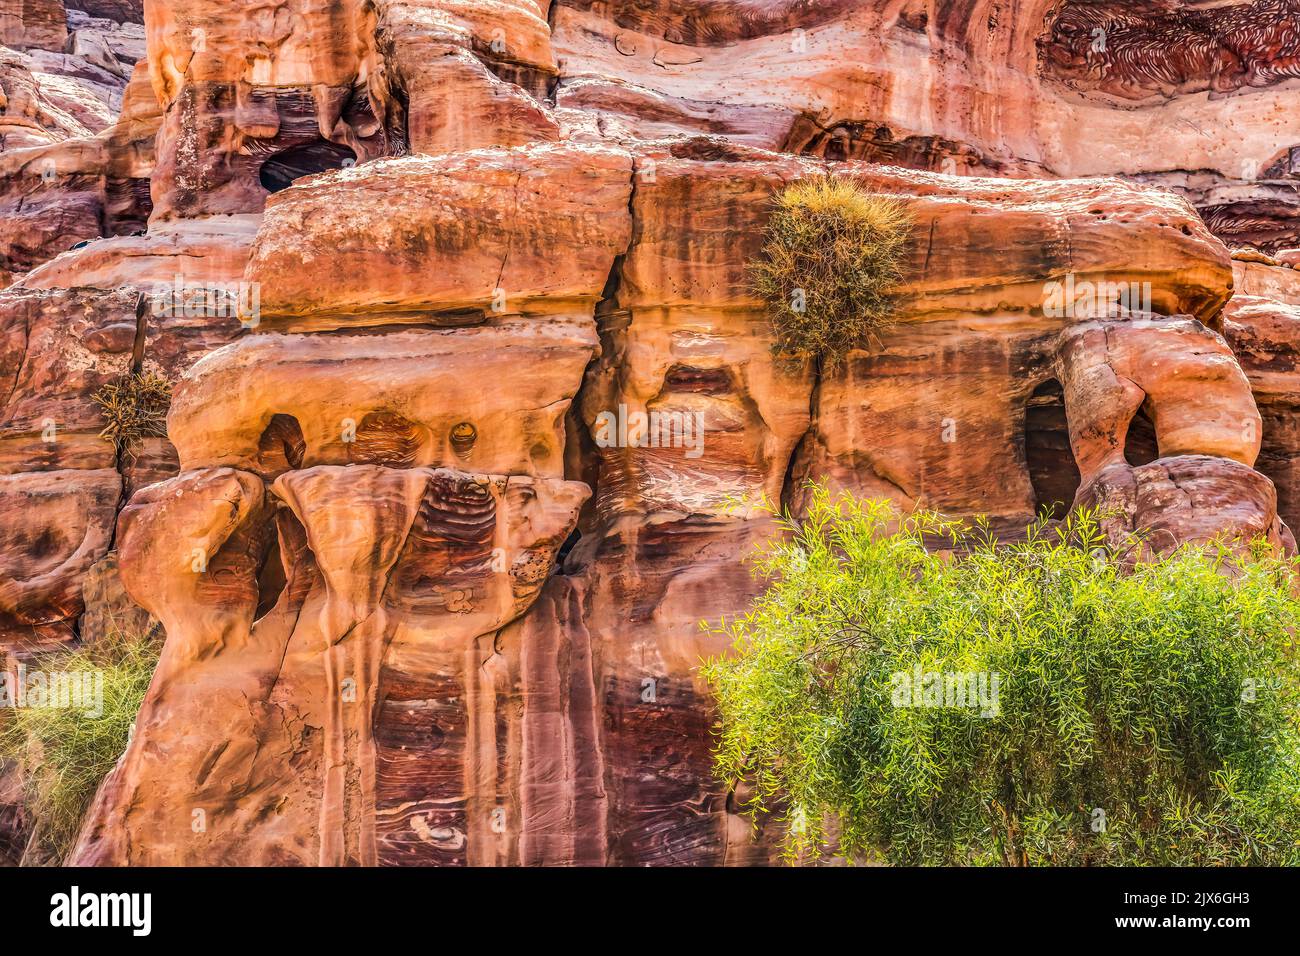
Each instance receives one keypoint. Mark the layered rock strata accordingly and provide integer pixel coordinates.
(474, 409)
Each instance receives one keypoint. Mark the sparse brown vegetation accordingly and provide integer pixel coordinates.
(134, 408)
(831, 262)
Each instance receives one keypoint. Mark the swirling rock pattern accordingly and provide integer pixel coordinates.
(1133, 50)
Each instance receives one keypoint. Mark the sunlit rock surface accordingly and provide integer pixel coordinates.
(474, 408)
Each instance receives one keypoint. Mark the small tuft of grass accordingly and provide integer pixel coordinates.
(65, 752)
(829, 267)
(134, 408)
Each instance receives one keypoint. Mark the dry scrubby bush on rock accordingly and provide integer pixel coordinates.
(1144, 714)
(134, 408)
(64, 753)
(832, 258)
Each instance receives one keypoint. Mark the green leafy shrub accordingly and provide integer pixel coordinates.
(134, 408)
(1143, 715)
(832, 257)
(64, 752)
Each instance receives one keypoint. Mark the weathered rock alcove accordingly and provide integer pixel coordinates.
(1053, 471)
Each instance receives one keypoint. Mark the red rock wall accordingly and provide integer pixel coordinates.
(419, 609)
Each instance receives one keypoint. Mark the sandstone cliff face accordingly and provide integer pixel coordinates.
(1261, 323)
(77, 122)
(425, 603)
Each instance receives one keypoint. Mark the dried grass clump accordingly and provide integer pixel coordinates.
(134, 408)
(65, 752)
(832, 259)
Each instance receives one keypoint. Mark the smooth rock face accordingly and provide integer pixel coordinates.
(395, 236)
(445, 496)
(1180, 374)
(402, 399)
(56, 525)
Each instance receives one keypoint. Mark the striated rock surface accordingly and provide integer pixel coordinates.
(1169, 49)
(473, 404)
(365, 711)
(1262, 323)
(61, 347)
(59, 193)
(33, 23)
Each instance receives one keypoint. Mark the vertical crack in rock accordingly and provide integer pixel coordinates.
(141, 333)
(513, 227)
(138, 343)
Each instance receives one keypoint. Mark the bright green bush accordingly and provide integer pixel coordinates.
(64, 753)
(1143, 715)
(832, 257)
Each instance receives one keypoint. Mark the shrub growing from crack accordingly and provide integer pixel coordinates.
(134, 408)
(831, 261)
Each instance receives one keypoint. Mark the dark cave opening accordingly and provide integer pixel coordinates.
(1141, 446)
(319, 156)
(281, 447)
(271, 580)
(1053, 471)
(570, 543)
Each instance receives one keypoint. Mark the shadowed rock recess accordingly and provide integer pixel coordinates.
(411, 268)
